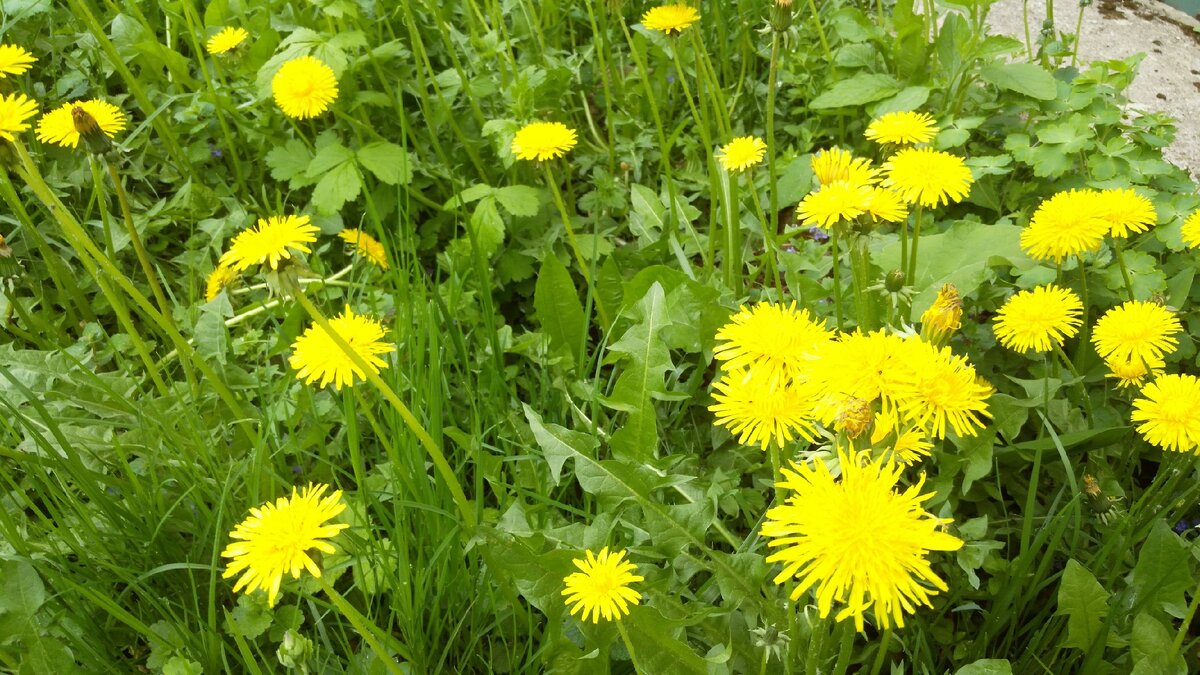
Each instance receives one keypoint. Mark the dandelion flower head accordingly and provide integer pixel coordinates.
(834, 203)
(276, 539)
(944, 316)
(269, 242)
(1134, 372)
(316, 356)
(1038, 319)
(742, 153)
(304, 87)
(927, 177)
(227, 39)
(937, 389)
(854, 366)
(366, 246)
(14, 60)
(602, 586)
(1191, 231)
(218, 280)
(902, 128)
(1126, 211)
(862, 541)
(835, 165)
(1169, 413)
(1136, 330)
(1067, 224)
(775, 339)
(59, 125)
(669, 19)
(885, 205)
(543, 140)
(762, 409)
(15, 109)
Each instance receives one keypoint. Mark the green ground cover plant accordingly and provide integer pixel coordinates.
(592, 336)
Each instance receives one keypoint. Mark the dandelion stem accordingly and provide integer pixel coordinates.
(843, 658)
(1086, 329)
(912, 260)
(628, 646)
(771, 252)
(584, 265)
(816, 19)
(881, 655)
(143, 257)
(1119, 251)
(837, 277)
(365, 628)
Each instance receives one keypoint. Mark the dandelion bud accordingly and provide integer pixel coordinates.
(854, 417)
(89, 130)
(781, 15)
(1103, 506)
(894, 281)
(943, 317)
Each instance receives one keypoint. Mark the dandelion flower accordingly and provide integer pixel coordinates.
(227, 40)
(902, 128)
(937, 389)
(1136, 330)
(1126, 212)
(315, 356)
(772, 339)
(1038, 319)
(277, 536)
(14, 60)
(59, 125)
(761, 410)
(366, 246)
(669, 19)
(742, 153)
(911, 447)
(884, 205)
(1191, 231)
(831, 204)
(1134, 372)
(218, 280)
(304, 87)
(853, 416)
(836, 165)
(601, 587)
(927, 177)
(944, 316)
(856, 365)
(1067, 224)
(14, 110)
(271, 241)
(1169, 412)
(862, 541)
(543, 140)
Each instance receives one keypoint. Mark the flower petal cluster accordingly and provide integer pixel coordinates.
(270, 242)
(834, 203)
(835, 165)
(1136, 331)
(304, 87)
(1134, 372)
(59, 125)
(1126, 211)
(15, 109)
(218, 280)
(15, 60)
(226, 40)
(902, 128)
(776, 339)
(742, 153)
(1038, 319)
(944, 316)
(1169, 413)
(1191, 231)
(927, 177)
(669, 19)
(1067, 224)
(761, 409)
(602, 586)
(938, 389)
(366, 246)
(316, 356)
(543, 140)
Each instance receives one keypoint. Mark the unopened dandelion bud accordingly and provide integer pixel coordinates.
(894, 281)
(781, 15)
(89, 130)
(943, 317)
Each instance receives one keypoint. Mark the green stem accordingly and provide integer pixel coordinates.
(816, 19)
(142, 255)
(816, 647)
(1119, 251)
(1086, 329)
(881, 655)
(911, 273)
(584, 265)
(366, 629)
(628, 646)
(770, 246)
(843, 658)
(837, 276)
(771, 92)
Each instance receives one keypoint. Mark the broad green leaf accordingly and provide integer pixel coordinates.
(658, 645)
(388, 161)
(251, 617)
(646, 363)
(556, 306)
(21, 589)
(648, 215)
(290, 162)
(538, 576)
(559, 444)
(328, 158)
(1084, 602)
(1162, 572)
(858, 90)
(986, 667)
(340, 185)
(488, 226)
(519, 200)
(1024, 78)
(1153, 648)
(179, 665)
(908, 98)
(48, 655)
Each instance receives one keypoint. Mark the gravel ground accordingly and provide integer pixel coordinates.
(1168, 79)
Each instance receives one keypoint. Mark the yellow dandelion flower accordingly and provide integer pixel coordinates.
(774, 340)
(742, 153)
(14, 60)
(855, 365)
(927, 177)
(1038, 319)
(902, 128)
(886, 423)
(853, 416)
(601, 587)
(227, 39)
(269, 242)
(304, 87)
(937, 389)
(1136, 331)
(277, 537)
(543, 140)
(669, 19)
(62, 125)
(836, 165)
(862, 541)
(1068, 223)
(911, 447)
(366, 246)
(761, 409)
(315, 356)
(831, 204)
(884, 205)
(1169, 412)
(1191, 231)
(1126, 211)
(218, 280)
(944, 316)
(1134, 372)
(14, 110)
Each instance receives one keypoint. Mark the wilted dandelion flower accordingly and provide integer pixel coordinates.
(742, 153)
(366, 246)
(1038, 319)
(1134, 372)
(669, 19)
(762, 409)
(772, 339)
(1136, 330)
(315, 355)
(14, 60)
(831, 204)
(944, 316)
(1191, 231)
(884, 205)
(853, 416)
(835, 165)
(937, 388)
(1169, 412)
(60, 126)
(902, 128)
(1068, 223)
(601, 587)
(277, 536)
(927, 177)
(304, 87)
(15, 109)
(861, 541)
(269, 242)
(1126, 211)
(218, 280)
(543, 140)
(227, 40)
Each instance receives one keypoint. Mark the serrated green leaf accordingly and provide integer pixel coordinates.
(1024, 78)
(251, 617)
(328, 158)
(647, 362)
(658, 645)
(557, 307)
(519, 200)
(387, 161)
(290, 162)
(340, 185)
(647, 218)
(1162, 573)
(1085, 604)
(488, 226)
(179, 665)
(858, 90)
(558, 443)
